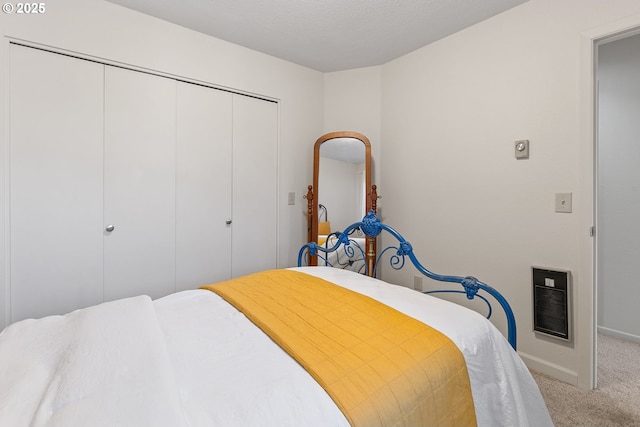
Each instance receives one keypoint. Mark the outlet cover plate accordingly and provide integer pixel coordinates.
(417, 283)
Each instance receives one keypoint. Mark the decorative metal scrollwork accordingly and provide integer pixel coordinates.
(470, 285)
(372, 227)
(405, 248)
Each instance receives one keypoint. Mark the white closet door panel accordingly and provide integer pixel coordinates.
(203, 193)
(255, 150)
(139, 184)
(56, 183)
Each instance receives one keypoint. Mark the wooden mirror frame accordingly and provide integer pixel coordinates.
(312, 193)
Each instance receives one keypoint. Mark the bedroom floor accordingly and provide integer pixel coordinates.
(616, 401)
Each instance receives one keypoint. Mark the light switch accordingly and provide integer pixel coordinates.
(563, 202)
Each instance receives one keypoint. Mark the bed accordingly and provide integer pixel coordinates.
(348, 252)
(193, 359)
(348, 257)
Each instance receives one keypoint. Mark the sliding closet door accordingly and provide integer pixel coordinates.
(255, 148)
(139, 192)
(55, 183)
(203, 197)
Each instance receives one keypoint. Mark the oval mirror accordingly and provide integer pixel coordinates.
(341, 193)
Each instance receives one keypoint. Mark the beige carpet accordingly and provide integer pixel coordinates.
(616, 401)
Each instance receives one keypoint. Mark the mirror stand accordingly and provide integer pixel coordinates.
(343, 178)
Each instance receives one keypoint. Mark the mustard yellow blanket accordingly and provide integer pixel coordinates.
(381, 367)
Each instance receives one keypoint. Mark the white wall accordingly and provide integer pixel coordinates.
(352, 103)
(619, 187)
(451, 112)
(103, 30)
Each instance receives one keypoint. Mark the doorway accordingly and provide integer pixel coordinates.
(617, 187)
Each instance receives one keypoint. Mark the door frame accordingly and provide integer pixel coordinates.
(588, 110)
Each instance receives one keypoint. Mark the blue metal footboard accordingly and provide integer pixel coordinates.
(348, 255)
(372, 227)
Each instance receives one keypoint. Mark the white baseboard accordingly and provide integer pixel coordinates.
(550, 369)
(617, 334)
(563, 374)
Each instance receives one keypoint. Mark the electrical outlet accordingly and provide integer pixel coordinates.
(292, 198)
(417, 283)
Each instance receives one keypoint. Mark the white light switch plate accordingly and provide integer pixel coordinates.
(563, 202)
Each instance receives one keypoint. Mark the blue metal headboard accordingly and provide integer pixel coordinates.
(372, 227)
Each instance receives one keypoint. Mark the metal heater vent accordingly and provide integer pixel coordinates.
(552, 302)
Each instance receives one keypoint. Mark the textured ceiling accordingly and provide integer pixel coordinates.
(326, 35)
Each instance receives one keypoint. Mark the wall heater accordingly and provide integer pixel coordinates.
(552, 302)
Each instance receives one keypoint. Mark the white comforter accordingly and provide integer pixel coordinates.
(190, 359)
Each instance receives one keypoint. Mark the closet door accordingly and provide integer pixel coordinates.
(139, 191)
(203, 193)
(255, 150)
(55, 183)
